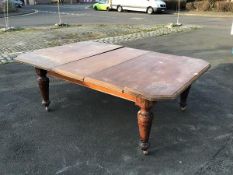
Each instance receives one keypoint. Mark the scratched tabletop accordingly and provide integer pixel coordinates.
(153, 76)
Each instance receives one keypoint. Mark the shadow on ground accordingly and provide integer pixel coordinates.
(92, 133)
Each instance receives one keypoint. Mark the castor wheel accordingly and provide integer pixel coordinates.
(47, 108)
(145, 152)
(183, 108)
(46, 105)
(144, 147)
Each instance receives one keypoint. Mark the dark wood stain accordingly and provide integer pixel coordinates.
(143, 77)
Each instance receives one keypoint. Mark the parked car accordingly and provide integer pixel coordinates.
(148, 6)
(101, 5)
(18, 3)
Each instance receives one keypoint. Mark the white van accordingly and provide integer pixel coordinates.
(148, 6)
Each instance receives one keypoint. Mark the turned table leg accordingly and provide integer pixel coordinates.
(43, 82)
(144, 124)
(183, 99)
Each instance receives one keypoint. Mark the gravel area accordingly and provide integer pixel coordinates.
(17, 41)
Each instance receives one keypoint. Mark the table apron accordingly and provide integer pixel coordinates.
(129, 97)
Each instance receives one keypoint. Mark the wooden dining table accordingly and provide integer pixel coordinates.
(141, 76)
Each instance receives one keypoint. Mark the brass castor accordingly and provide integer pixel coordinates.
(145, 152)
(183, 108)
(144, 147)
(47, 108)
(46, 105)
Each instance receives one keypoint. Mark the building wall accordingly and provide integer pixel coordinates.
(42, 1)
(86, 1)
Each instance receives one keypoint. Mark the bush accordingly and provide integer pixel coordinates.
(212, 3)
(202, 5)
(190, 6)
(205, 6)
(221, 6)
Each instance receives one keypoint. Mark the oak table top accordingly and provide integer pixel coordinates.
(150, 75)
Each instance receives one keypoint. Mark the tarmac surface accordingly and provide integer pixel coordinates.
(88, 132)
(19, 12)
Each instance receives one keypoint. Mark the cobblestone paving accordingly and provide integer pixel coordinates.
(13, 43)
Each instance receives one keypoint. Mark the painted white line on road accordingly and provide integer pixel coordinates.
(74, 7)
(68, 6)
(63, 13)
(137, 18)
(35, 11)
(27, 14)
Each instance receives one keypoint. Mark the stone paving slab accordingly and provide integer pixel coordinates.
(19, 41)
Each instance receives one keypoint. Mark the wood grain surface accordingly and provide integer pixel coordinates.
(49, 58)
(137, 73)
